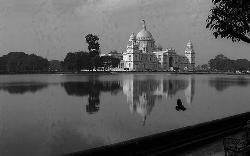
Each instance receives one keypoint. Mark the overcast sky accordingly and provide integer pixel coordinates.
(51, 28)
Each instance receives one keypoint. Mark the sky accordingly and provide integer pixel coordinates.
(52, 28)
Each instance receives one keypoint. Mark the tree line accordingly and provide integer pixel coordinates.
(223, 63)
(20, 62)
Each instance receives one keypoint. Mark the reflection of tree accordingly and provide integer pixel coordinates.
(173, 86)
(94, 100)
(222, 83)
(21, 88)
(92, 89)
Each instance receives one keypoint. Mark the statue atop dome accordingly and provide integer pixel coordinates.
(144, 34)
(144, 24)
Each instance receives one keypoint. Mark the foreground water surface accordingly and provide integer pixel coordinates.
(58, 114)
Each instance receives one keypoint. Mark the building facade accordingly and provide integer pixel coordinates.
(143, 55)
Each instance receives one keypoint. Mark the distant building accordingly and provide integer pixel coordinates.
(114, 54)
(190, 55)
(142, 54)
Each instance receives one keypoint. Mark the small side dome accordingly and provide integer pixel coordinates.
(132, 37)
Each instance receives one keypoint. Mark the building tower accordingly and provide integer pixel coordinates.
(131, 54)
(190, 54)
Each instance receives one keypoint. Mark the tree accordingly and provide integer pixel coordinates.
(204, 67)
(105, 62)
(77, 61)
(19, 62)
(222, 63)
(115, 62)
(82, 60)
(69, 62)
(242, 64)
(55, 66)
(198, 68)
(93, 45)
(3, 68)
(230, 19)
(95, 62)
(108, 62)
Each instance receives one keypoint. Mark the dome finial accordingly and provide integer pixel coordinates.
(144, 24)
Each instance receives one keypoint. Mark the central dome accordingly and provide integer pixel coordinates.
(144, 34)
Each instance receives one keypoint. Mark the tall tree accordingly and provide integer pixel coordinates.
(230, 19)
(93, 45)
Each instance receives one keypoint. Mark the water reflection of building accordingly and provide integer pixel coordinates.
(189, 91)
(142, 93)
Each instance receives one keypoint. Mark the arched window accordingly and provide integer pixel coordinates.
(129, 57)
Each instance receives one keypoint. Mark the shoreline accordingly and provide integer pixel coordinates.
(173, 141)
(129, 72)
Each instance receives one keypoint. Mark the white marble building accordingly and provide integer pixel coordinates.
(143, 55)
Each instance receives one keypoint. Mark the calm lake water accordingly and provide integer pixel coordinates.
(57, 114)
